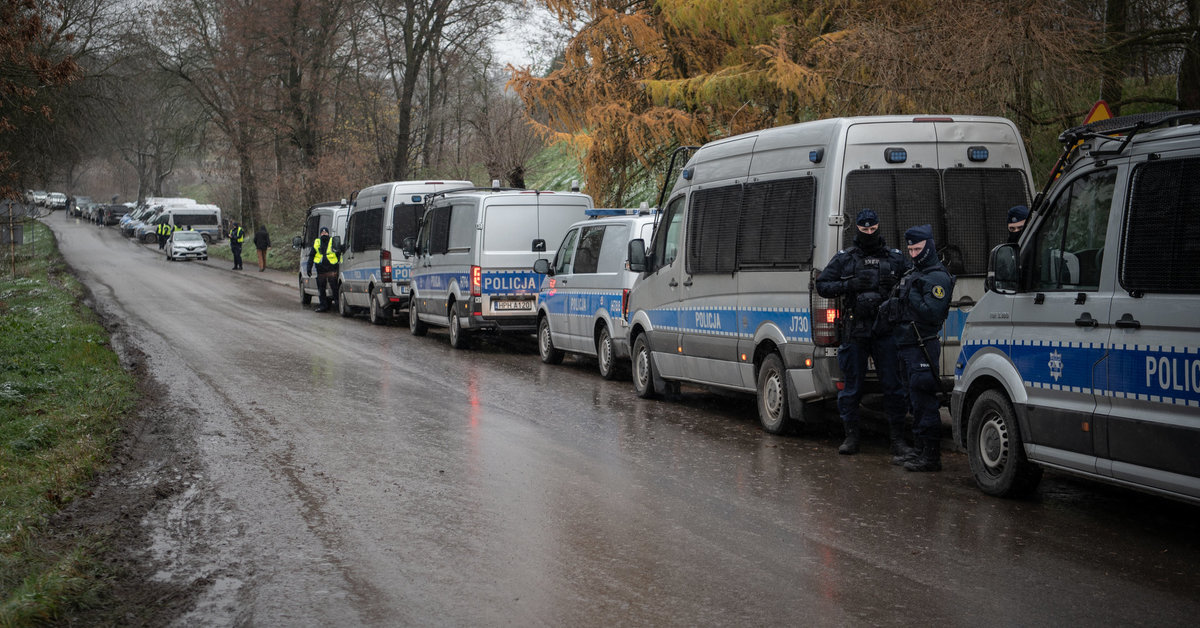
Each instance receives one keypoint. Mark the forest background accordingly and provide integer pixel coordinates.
(265, 107)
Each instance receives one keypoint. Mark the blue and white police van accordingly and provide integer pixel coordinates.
(329, 215)
(473, 260)
(1084, 354)
(374, 271)
(725, 298)
(584, 298)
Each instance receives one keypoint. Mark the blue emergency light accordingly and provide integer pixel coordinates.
(977, 153)
(895, 155)
(816, 155)
(417, 198)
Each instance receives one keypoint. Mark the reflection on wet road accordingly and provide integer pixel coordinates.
(356, 474)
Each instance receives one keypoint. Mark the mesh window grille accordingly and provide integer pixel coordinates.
(439, 230)
(977, 204)
(902, 198)
(1160, 251)
(776, 229)
(406, 221)
(712, 235)
(368, 229)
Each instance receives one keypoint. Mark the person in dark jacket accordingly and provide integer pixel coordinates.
(916, 314)
(262, 242)
(864, 275)
(325, 260)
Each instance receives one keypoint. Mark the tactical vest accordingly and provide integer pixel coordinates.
(329, 253)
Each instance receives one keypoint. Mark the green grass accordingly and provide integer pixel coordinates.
(280, 256)
(63, 395)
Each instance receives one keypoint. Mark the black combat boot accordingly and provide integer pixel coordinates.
(930, 458)
(849, 446)
(900, 449)
(913, 453)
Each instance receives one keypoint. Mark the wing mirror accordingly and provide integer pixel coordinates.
(637, 255)
(542, 267)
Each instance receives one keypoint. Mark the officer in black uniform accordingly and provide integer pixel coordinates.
(864, 275)
(916, 313)
(237, 235)
(1017, 215)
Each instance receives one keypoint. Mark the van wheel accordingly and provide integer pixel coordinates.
(773, 396)
(606, 356)
(206, 237)
(996, 451)
(305, 298)
(458, 336)
(375, 314)
(546, 349)
(643, 369)
(344, 308)
(415, 326)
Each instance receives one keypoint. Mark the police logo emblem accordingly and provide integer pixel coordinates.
(939, 292)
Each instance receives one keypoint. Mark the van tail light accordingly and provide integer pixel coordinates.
(826, 317)
(385, 266)
(625, 304)
(476, 281)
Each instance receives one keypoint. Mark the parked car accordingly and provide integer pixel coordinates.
(583, 300)
(186, 245)
(38, 197)
(81, 202)
(113, 213)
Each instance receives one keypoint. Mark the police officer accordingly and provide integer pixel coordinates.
(1017, 215)
(325, 259)
(237, 235)
(864, 275)
(164, 231)
(916, 313)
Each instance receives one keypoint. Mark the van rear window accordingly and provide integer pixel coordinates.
(1161, 235)
(406, 222)
(366, 230)
(510, 228)
(195, 219)
(760, 225)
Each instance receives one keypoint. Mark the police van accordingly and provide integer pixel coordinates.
(473, 261)
(332, 216)
(725, 298)
(374, 273)
(204, 219)
(583, 299)
(1084, 355)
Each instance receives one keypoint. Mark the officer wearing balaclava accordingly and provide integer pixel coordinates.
(1017, 215)
(863, 275)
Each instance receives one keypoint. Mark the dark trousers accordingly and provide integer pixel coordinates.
(852, 359)
(922, 378)
(236, 249)
(330, 280)
(162, 241)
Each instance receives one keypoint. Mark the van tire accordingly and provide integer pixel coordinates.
(415, 326)
(206, 237)
(459, 338)
(375, 314)
(772, 397)
(305, 298)
(344, 308)
(606, 355)
(546, 349)
(996, 450)
(643, 369)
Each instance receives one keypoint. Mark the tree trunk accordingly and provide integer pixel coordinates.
(247, 181)
(1188, 81)
(1113, 63)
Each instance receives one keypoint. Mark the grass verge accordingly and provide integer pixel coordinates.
(63, 394)
(281, 255)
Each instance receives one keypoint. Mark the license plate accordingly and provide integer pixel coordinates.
(509, 306)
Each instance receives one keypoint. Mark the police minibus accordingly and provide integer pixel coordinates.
(474, 257)
(329, 215)
(583, 299)
(1084, 354)
(725, 295)
(374, 271)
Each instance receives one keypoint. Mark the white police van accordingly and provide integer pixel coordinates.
(330, 215)
(474, 256)
(204, 219)
(583, 301)
(725, 298)
(374, 271)
(1084, 355)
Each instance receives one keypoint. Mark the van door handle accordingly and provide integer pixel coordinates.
(1128, 322)
(673, 283)
(1086, 321)
(688, 283)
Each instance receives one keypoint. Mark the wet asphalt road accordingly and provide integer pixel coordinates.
(348, 474)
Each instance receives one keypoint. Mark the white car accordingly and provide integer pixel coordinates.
(56, 200)
(186, 245)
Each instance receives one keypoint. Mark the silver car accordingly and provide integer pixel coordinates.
(186, 245)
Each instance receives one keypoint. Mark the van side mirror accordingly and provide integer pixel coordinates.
(539, 246)
(337, 244)
(542, 267)
(637, 255)
(297, 242)
(1004, 269)
(409, 247)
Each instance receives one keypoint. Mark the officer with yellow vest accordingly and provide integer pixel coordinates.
(325, 260)
(164, 231)
(237, 235)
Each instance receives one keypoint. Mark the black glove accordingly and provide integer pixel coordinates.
(862, 282)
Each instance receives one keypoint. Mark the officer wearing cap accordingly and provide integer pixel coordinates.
(863, 275)
(916, 314)
(325, 260)
(1017, 215)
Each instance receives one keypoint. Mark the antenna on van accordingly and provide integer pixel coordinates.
(574, 185)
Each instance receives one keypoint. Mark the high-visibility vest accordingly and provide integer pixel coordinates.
(329, 252)
(164, 229)
(237, 234)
